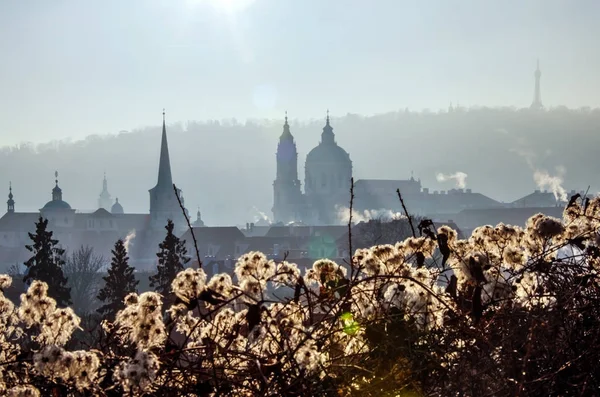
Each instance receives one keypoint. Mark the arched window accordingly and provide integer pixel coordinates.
(323, 179)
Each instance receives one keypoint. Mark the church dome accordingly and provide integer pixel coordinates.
(56, 205)
(117, 208)
(328, 151)
(57, 202)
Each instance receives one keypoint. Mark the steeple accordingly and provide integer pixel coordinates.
(327, 136)
(10, 203)
(164, 166)
(199, 222)
(56, 192)
(104, 200)
(164, 204)
(286, 134)
(537, 95)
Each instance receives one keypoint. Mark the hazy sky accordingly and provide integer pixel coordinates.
(74, 68)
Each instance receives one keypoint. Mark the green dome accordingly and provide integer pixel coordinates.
(56, 205)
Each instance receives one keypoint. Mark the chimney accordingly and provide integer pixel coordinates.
(247, 226)
(252, 226)
(461, 190)
(426, 190)
(469, 191)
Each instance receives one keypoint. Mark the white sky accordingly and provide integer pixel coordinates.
(74, 68)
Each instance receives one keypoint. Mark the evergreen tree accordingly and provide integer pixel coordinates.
(46, 263)
(120, 281)
(171, 260)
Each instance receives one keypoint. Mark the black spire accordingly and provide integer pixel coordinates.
(10, 203)
(164, 166)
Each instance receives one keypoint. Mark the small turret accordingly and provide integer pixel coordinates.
(117, 208)
(199, 222)
(10, 203)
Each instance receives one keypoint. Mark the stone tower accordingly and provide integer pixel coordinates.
(287, 200)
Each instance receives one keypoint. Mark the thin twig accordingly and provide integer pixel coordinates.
(412, 228)
(187, 220)
(350, 254)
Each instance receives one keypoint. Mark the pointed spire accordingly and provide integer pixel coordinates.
(104, 200)
(164, 167)
(328, 137)
(199, 222)
(10, 203)
(286, 134)
(537, 96)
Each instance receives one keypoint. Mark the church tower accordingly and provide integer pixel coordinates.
(10, 203)
(163, 201)
(104, 200)
(537, 95)
(287, 200)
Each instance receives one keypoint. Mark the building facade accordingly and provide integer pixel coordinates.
(101, 228)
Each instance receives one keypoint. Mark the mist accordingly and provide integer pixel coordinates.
(226, 168)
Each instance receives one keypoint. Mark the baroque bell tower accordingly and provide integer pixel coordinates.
(287, 200)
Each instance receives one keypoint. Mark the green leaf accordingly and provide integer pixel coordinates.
(347, 316)
(351, 328)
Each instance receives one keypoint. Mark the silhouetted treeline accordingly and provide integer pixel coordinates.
(227, 167)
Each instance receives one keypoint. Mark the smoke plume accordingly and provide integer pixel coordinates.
(459, 177)
(551, 182)
(128, 239)
(260, 215)
(343, 214)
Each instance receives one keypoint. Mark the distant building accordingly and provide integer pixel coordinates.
(99, 229)
(104, 200)
(537, 95)
(328, 170)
